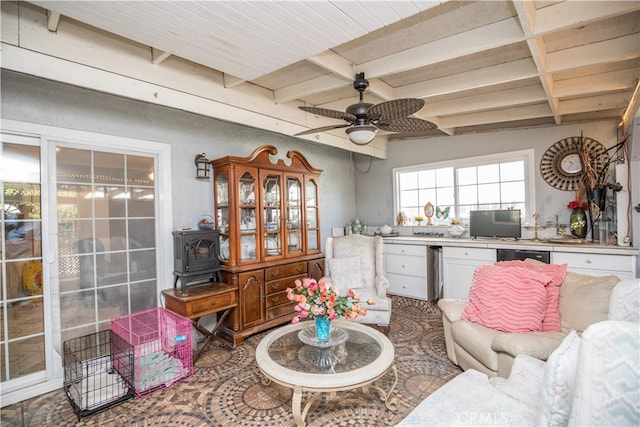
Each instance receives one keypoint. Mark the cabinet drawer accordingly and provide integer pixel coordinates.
(281, 310)
(607, 263)
(478, 254)
(204, 306)
(390, 248)
(408, 286)
(402, 264)
(272, 300)
(286, 270)
(275, 286)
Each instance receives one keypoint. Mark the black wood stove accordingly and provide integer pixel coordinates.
(196, 257)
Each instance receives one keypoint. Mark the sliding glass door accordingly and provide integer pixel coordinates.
(22, 341)
(105, 206)
(93, 206)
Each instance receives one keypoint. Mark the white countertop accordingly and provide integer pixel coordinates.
(522, 244)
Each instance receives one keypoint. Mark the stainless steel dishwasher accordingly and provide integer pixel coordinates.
(521, 255)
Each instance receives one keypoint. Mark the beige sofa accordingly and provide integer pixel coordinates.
(584, 300)
(591, 379)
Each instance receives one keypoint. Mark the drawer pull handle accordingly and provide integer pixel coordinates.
(299, 268)
(404, 266)
(214, 302)
(588, 261)
(274, 286)
(274, 273)
(275, 299)
(402, 250)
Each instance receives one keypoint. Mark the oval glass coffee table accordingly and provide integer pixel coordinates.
(364, 357)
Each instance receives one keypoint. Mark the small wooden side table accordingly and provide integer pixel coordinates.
(200, 300)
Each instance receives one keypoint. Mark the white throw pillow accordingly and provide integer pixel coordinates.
(559, 381)
(346, 273)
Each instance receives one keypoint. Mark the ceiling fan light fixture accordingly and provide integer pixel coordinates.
(362, 134)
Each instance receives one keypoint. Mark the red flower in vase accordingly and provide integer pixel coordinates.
(577, 204)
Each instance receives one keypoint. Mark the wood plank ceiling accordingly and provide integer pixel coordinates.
(484, 65)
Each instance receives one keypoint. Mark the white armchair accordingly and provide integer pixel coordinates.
(356, 262)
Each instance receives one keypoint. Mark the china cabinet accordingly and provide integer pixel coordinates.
(268, 216)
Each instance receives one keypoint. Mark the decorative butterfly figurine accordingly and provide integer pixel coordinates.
(442, 213)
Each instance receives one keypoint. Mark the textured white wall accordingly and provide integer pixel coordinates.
(29, 99)
(345, 191)
(374, 197)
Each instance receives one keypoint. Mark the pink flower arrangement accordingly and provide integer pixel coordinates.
(321, 298)
(577, 204)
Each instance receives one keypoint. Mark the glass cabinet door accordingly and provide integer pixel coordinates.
(247, 217)
(312, 217)
(293, 205)
(271, 215)
(222, 213)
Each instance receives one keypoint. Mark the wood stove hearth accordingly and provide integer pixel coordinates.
(196, 257)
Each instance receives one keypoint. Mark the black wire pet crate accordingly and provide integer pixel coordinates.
(90, 381)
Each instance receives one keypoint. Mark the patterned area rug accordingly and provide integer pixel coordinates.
(226, 390)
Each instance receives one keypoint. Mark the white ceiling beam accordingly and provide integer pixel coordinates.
(630, 112)
(157, 56)
(619, 49)
(494, 35)
(472, 41)
(571, 14)
(596, 103)
(614, 81)
(53, 20)
(496, 116)
(232, 81)
(338, 66)
(308, 87)
(527, 15)
(496, 100)
(334, 63)
(489, 76)
(57, 69)
(381, 89)
(447, 131)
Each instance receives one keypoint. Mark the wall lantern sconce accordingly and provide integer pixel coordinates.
(202, 166)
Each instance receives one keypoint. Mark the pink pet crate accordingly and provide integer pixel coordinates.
(162, 342)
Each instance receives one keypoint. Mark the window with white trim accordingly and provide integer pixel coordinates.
(498, 181)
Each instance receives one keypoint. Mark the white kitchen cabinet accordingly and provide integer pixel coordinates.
(458, 264)
(407, 270)
(622, 266)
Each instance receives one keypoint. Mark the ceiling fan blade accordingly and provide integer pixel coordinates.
(395, 109)
(334, 114)
(322, 129)
(407, 125)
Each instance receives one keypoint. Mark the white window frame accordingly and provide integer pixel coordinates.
(527, 156)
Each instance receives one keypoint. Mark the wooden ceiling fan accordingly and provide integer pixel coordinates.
(364, 119)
